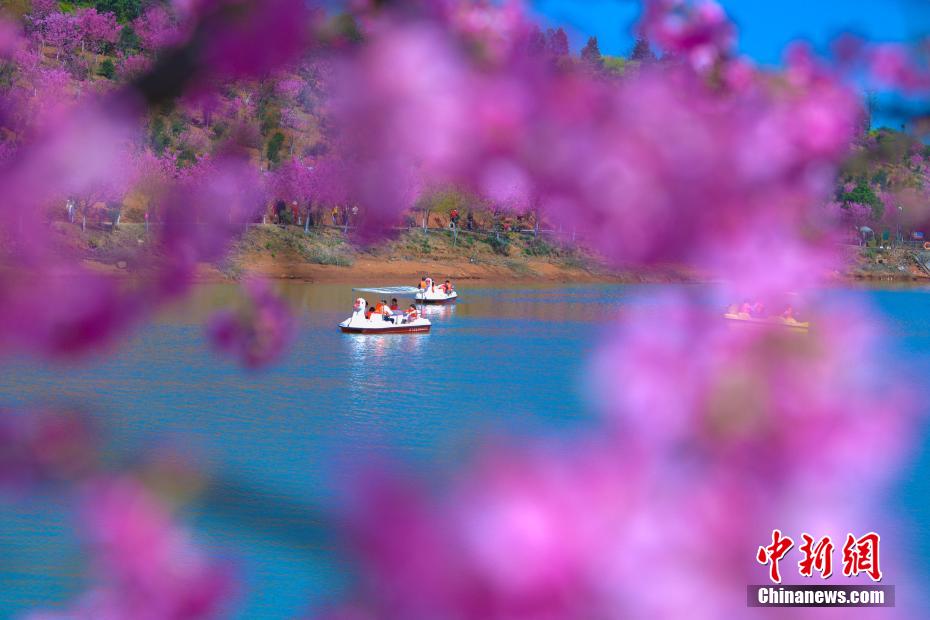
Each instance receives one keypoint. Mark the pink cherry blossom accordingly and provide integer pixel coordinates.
(157, 28)
(97, 29)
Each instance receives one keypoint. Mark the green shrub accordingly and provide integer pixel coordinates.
(178, 125)
(220, 130)
(537, 246)
(327, 256)
(186, 157)
(107, 69)
(499, 245)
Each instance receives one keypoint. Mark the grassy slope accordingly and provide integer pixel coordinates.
(325, 254)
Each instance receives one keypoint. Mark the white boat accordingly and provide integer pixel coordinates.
(435, 294)
(792, 324)
(379, 324)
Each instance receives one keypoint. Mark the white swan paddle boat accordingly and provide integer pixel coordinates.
(434, 294)
(777, 321)
(396, 323)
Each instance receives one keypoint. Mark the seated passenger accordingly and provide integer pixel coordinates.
(411, 314)
(745, 308)
(394, 305)
(379, 307)
(447, 287)
(422, 285)
(368, 311)
(788, 315)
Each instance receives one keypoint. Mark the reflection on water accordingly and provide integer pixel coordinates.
(585, 304)
(499, 360)
(436, 312)
(502, 359)
(376, 361)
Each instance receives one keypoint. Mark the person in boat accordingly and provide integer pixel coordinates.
(422, 285)
(745, 308)
(395, 307)
(447, 287)
(788, 315)
(758, 310)
(411, 313)
(369, 310)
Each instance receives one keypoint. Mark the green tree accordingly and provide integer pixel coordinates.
(158, 139)
(274, 147)
(642, 52)
(107, 69)
(591, 53)
(128, 39)
(863, 193)
(125, 10)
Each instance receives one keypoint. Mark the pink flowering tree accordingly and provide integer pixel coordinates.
(157, 28)
(62, 32)
(97, 30)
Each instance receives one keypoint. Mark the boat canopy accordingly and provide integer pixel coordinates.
(391, 290)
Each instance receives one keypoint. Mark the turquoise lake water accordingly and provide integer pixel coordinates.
(505, 360)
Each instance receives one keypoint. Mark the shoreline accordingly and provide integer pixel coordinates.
(386, 270)
(377, 271)
(326, 256)
(396, 272)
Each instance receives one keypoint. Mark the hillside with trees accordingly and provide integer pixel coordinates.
(82, 49)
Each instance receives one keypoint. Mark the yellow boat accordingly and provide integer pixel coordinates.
(776, 321)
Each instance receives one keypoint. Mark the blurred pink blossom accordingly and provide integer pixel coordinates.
(777, 404)
(258, 333)
(144, 565)
(44, 446)
(250, 38)
(699, 31)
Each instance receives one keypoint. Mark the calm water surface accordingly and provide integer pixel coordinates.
(505, 360)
